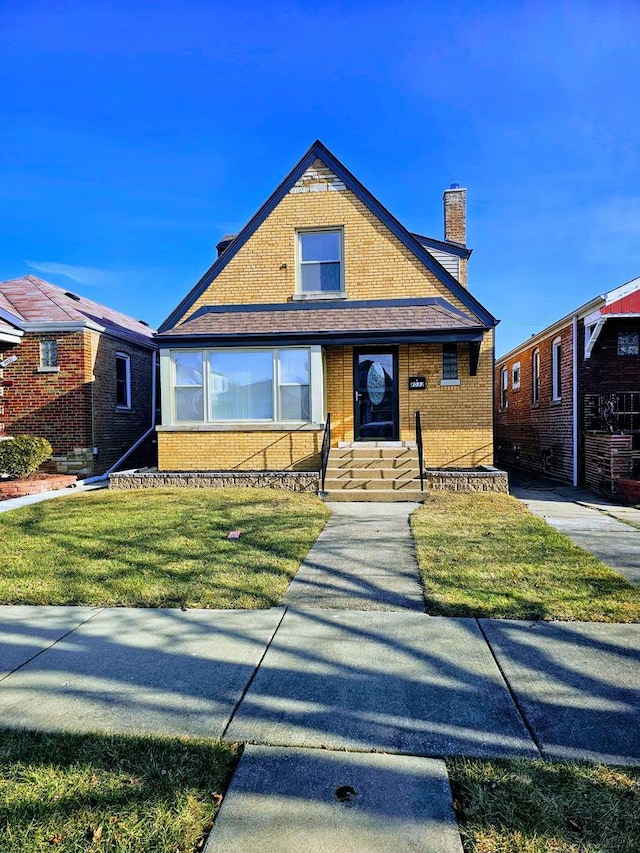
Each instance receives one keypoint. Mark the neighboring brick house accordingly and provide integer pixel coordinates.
(325, 304)
(567, 400)
(75, 372)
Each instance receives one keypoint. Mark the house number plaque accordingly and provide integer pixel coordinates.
(417, 383)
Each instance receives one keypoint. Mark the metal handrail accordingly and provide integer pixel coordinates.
(324, 454)
(420, 450)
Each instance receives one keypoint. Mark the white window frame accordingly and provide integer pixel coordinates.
(316, 389)
(318, 294)
(556, 367)
(535, 377)
(123, 356)
(515, 371)
(504, 387)
(44, 367)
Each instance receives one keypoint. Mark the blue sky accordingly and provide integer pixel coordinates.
(133, 135)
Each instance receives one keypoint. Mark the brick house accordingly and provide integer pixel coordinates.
(567, 401)
(74, 372)
(324, 304)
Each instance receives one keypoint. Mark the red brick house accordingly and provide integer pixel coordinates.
(567, 401)
(74, 372)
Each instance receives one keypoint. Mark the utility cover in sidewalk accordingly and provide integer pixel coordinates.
(304, 800)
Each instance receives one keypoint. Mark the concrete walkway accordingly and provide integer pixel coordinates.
(364, 559)
(601, 527)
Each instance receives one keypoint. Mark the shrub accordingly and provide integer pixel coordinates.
(23, 454)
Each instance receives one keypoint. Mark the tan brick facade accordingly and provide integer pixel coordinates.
(457, 421)
(457, 418)
(376, 264)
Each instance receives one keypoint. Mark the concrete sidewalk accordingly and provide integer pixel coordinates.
(407, 686)
(599, 526)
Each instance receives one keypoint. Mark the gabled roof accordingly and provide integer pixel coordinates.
(623, 300)
(341, 321)
(443, 246)
(319, 151)
(31, 304)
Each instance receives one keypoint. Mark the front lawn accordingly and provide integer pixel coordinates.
(158, 548)
(67, 793)
(485, 555)
(526, 806)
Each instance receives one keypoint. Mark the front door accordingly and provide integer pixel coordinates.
(376, 395)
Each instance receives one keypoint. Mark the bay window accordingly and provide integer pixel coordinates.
(219, 386)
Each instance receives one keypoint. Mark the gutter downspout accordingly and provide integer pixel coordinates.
(136, 444)
(575, 400)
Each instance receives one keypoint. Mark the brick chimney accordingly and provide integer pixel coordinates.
(454, 201)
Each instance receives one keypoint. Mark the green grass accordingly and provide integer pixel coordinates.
(158, 548)
(486, 555)
(525, 806)
(89, 792)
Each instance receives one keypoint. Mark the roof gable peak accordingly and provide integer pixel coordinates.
(340, 177)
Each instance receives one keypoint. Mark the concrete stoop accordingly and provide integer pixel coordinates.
(374, 471)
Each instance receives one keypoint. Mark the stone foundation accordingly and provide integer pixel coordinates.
(78, 461)
(486, 478)
(292, 481)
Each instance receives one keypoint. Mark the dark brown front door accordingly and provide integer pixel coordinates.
(376, 395)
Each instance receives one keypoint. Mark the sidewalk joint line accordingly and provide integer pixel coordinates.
(253, 675)
(512, 693)
(54, 643)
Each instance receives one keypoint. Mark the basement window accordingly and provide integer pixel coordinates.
(123, 381)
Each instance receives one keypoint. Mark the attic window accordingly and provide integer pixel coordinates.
(320, 261)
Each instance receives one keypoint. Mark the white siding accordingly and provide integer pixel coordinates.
(450, 262)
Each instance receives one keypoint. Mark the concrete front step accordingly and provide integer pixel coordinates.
(359, 473)
(398, 464)
(377, 495)
(374, 453)
(373, 472)
(351, 485)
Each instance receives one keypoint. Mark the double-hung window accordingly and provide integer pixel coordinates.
(504, 385)
(234, 385)
(535, 377)
(123, 381)
(515, 376)
(556, 369)
(320, 261)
